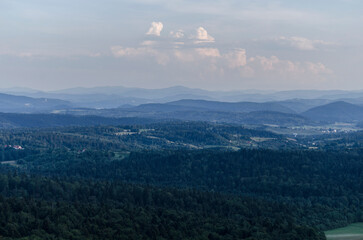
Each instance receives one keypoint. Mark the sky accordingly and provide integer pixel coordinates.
(214, 45)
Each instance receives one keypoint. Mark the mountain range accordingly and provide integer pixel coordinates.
(116, 96)
(336, 112)
(12, 103)
(314, 107)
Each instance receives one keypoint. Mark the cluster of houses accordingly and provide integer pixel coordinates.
(16, 147)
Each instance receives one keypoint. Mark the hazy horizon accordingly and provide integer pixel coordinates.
(20, 89)
(219, 45)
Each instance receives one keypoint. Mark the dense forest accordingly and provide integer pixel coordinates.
(176, 180)
(171, 135)
(304, 178)
(43, 208)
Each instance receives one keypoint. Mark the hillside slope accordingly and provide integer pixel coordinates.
(12, 103)
(232, 106)
(336, 112)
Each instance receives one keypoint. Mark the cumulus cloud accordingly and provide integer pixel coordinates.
(236, 58)
(178, 34)
(196, 55)
(202, 36)
(160, 57)
(286, 67)
(155, 29)
(149, 43)
(317, 68)
(208, 52)
(188, 55)
(232, 60)
(119, 51)
(184, 55)
(303, 43)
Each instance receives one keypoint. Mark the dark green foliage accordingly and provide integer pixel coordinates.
(9, 153)
(18, 120)
(326, 187)
(185, 194)
(57, 209)
(171, 135)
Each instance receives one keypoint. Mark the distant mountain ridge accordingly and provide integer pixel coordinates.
(18, 120)
(232, 107)
(96, 102)
(115, 96)
(209, 111)
(336, 112)
(13, 104)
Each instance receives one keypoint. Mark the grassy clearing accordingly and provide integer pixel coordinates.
(262, 139)
(11, 163)
(121, 155)
(351, 232)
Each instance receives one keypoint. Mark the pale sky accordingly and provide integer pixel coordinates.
(215, 45)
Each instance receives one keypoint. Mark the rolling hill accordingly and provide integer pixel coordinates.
(336, 112)
(18, 120)
(202, 110)
(13, 104)
(231, 106)
(115, 96)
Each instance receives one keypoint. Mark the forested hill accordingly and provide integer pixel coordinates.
(84, 209)
(322, 183)
(336, 112)
(167, 135)
(18, 120)
(122, 117)
(176, 180)
(17, 104)
(204, 105)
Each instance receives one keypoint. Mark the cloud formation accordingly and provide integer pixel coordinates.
(286, 67)
(303, 43)
(161, 58)
(190, 56)
(202, 36)
(155, 29)
(236, 58)
(178, 34)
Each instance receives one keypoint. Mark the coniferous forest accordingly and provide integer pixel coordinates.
(175, 180)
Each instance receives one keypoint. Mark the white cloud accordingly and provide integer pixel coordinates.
(119, 51)
(149, 43)
(303, 43)
(236, 58)
(233, 60)
(317, 68)
(181, 54)
(286, 67)
(184, 55)
(196, 55)
(202, 36)
(155, 29)
(160, 57)
(178, 34)
(208, 52)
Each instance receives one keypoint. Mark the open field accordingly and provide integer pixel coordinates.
(351, 232)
